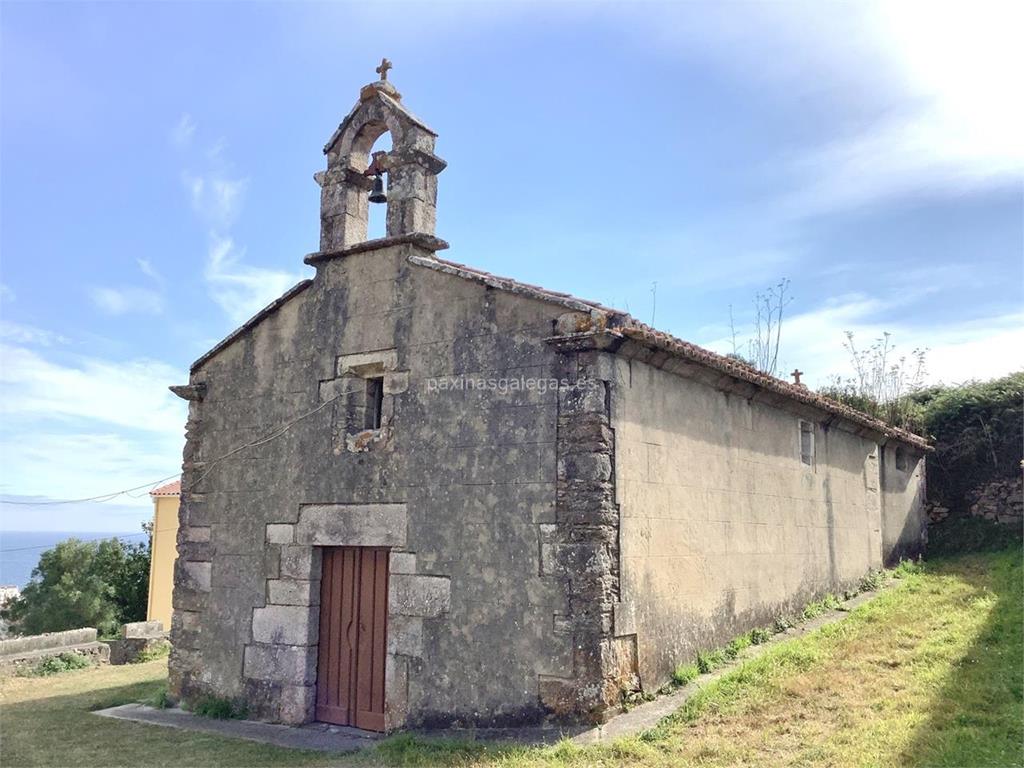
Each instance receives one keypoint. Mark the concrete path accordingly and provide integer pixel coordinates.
(329, 738)
(317, 736)
(647, 715)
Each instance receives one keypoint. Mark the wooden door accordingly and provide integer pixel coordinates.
(353, 637)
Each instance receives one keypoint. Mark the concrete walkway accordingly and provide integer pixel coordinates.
(316, 736)
(647, 715)
(329, 738)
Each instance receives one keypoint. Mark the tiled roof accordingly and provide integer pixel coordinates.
(624, 325)
(170, 489)
(608, 320)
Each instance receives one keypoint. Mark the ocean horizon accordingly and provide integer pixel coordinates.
(20, 550)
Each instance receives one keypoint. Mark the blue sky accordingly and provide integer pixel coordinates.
(157, 189)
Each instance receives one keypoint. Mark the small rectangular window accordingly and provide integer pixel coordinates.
(374, 401)
(807, 443)
(902, 461)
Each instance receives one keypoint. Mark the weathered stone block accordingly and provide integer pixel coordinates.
(195, 533)
(298, 562)
(624, 621)
(405, 635)
(142, 629)
(285, 625)
(280, 533)
(402, 562)
(586, 396)
(293, 664)
(352, 525)
(585, 466)
(297, 704)
(410, 595)
(195, 576)
(293, 592)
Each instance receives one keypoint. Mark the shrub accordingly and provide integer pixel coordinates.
(218, 708)
(159, 700)
(907, 568)
(871, 581)
(684, 674)
(978, 429)
(782, 623)
(709, 661)
(760, 635)
(971, 534)
(158, 650)
(55, 665)
(737, 644)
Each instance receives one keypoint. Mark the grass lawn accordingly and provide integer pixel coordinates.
(928, 674)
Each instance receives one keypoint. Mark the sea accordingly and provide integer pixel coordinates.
(20, 550)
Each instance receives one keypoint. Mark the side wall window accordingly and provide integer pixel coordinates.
(807, 443)
(902, 460)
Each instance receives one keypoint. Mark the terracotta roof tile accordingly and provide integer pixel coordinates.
(628, 326)
(170, 489)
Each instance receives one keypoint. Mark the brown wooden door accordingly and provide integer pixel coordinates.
(353, 637)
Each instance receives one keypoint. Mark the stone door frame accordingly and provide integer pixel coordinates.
(285, 632)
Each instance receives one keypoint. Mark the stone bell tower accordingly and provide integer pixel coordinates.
(411, 168)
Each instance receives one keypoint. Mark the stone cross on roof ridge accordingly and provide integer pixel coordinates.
(382, 70)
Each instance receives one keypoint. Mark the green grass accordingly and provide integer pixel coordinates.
(927, 674)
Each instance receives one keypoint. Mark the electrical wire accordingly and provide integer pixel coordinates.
(102, 498)
(98, 538)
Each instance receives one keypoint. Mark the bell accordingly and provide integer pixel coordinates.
(377, 194)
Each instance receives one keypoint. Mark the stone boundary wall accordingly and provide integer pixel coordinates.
(17, 646)
(138, 638)
(20, 652)
(1001, 501)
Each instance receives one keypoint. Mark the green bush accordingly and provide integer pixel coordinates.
(709, 661)
(685, 673)
(907, 568)
(760, 635)
(978, 430)
(871, 581)
(218, 708)
(158, 650)
(971, 534)
(737, 644)
(55, 665)
(828, 603)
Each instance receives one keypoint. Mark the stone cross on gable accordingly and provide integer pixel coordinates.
(796, 374)
(382, 70)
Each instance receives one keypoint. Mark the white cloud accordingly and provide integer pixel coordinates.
(979, 349)
(86, 426)
(242, 290)
(183, 130)
(149, 270)
(125, 300)
(130, 394)
(215, 198)
(927, 91)
(28, 334)
(959, 66)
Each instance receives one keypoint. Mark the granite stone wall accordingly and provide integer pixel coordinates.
(459, 481)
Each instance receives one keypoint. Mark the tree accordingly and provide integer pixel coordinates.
(83, 584)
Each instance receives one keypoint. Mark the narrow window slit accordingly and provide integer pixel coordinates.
(374, 401)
